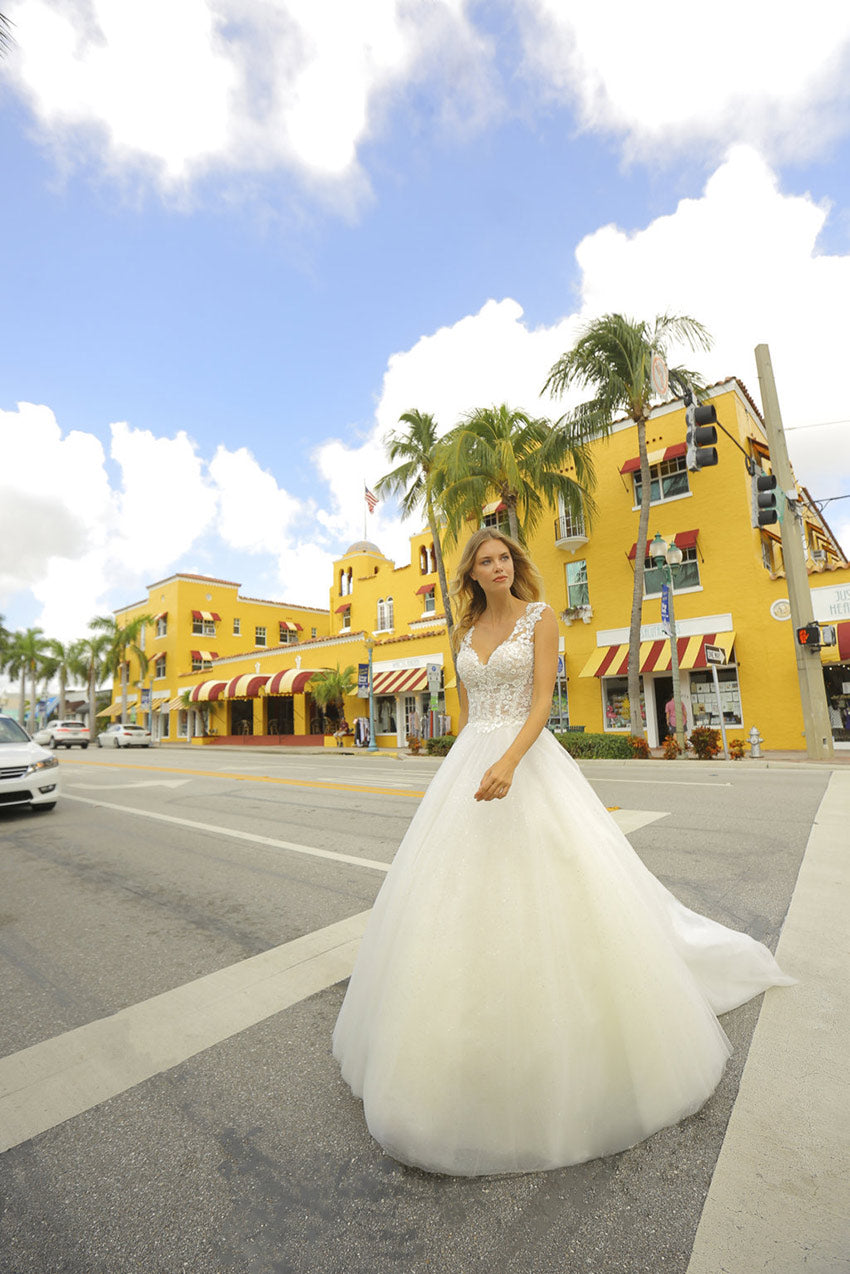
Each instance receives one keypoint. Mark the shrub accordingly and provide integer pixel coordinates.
(705, 742)
(639, 746)
(736, 749)
(439, 747)
(671, 748)
(414, 743)
(596, 746)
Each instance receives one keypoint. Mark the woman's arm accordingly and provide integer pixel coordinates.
(497, 781)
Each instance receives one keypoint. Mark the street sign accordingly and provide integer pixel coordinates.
(363, 681)
(715, 655)
(665, 609)
(146, 698)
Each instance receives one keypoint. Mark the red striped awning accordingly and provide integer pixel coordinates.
(289, 626)
(495, 506)
(402, 681)
(206, 655)
(163, 614)
(209, 615)
(345, 606)
(291, 681)
(248, 686)
(684, 540)
(207, 691)
(655, 656)
(656, 457)
(426, 588)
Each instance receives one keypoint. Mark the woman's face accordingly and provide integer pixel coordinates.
(493, 567)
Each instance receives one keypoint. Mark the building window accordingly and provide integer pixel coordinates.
(429, 599)
(203, 627)
(685, 576)
(578, 593)
(346, 619)
(570, 526)
(314, 632)
(667, 481)
(766, 553)
(142, 633)
(288, 636)
(162, 626)
(182, 724)
(704, 700)
(159, 667)
(201, 665)
(237, 627)
(385, 614)
(616, 711)
(260, 635)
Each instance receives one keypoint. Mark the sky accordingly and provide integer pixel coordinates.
(240, 237)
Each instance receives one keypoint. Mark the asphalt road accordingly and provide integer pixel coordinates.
(161, 873)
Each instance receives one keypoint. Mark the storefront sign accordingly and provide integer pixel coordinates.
(831, 603)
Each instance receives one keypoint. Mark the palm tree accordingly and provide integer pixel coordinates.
(330, 686)
(88, 662)
(521, 459)
(23, 658)
(122, 641)
(415, 481)
(613, 356)
(61, 658)
(6, 40)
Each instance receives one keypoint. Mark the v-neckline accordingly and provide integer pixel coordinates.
(485, 663)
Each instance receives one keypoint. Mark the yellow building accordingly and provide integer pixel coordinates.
(729, 591)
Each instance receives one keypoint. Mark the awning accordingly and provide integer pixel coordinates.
(114, 710)
(175, 705)
(426, 588)
(495, 506)
(162, 705)
(656, 457)
(684, 540)
(163, 614)
(207, 656)
(207, 691)
(402, 681)
(345, 606)
(840, 652)
(208, 615)
(248, 686)
(290, 626)
(290, 682)
(613, 661)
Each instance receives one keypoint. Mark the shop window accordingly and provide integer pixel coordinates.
(685, 575)
(578, 593)
(667, 481)
(385, 718)
(704, 698)
(559, 713)
(159, 667)
(237, 627)
(203, 627)
(616, 710)
(162, 626)
(260, 635)
(182, 724)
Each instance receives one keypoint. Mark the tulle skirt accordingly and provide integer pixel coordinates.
(527, 995)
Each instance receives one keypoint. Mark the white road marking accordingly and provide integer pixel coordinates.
(234, 834)
(55, 1080)
(631, 820)
(601, 778)
(111, 787)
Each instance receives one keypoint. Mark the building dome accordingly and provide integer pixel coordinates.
(364, 546)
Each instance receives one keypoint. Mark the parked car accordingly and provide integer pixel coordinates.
(29, 775)
(124, 736)
(63, 734)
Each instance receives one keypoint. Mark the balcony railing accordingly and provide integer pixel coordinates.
(569, 532)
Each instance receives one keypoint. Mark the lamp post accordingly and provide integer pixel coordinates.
(665, 556)
(373, 747)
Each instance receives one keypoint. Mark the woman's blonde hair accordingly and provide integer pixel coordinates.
(468, 595)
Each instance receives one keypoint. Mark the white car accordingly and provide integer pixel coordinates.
(64, 734)
(29, 775)
(124, 736)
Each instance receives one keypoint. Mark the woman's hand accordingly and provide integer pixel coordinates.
(496, 783)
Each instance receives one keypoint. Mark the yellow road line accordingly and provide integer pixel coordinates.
(253, 778)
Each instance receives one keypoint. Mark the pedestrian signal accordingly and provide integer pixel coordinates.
(700, 436)
(809, 635)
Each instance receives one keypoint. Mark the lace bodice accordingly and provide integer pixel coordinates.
(500, 690)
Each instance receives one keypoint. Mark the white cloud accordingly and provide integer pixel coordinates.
(679, 73)
(238, 85)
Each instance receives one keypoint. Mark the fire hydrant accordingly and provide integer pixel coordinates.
(755, 743)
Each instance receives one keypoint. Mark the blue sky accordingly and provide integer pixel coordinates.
(239, 237)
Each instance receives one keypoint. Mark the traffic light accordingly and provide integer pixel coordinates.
(701, 436)
(765, 505)
(809, 635)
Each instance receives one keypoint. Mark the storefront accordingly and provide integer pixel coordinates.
(406, 704)
(831, 605)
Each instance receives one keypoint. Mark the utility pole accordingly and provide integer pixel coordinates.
(809, 667)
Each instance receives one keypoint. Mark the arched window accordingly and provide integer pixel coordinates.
(350, 581)
(423, 560)
(342, 583)
(432, 561)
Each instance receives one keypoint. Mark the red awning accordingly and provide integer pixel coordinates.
(684, 540)
(209, 615)
(401, 681)
(656, 457)
(344, 607)
(426, 588)
(248, 686)
(288, 625)
(206, 691)
(204, 655)
(290, 682)
(613, 661)
(163, 614)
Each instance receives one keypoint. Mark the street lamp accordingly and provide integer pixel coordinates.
(373, 747)
(665, 556)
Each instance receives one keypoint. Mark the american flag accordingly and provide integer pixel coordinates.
(371, 499)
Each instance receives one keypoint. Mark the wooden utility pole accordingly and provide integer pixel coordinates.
(816, 721)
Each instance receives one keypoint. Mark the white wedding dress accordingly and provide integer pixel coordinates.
(527, 995)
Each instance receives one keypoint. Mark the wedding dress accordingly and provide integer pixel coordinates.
(527, 995)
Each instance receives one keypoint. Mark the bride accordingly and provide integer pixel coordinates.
(527, 995)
